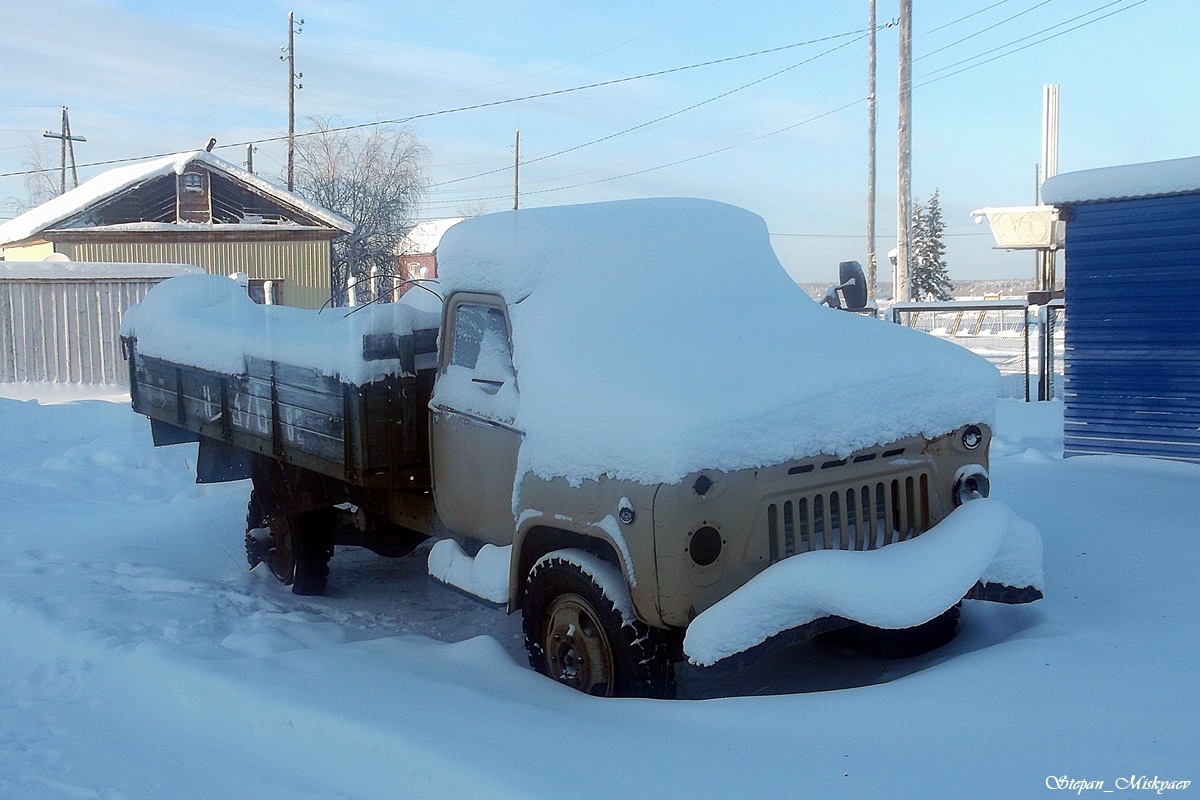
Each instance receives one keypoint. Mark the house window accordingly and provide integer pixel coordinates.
(193, 182)
(265, 292)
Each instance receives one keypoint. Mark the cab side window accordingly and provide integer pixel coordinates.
(481, 342)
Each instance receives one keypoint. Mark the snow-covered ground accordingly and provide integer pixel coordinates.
(139, 658)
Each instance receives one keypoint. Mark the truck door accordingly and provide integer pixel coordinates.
(472, 436)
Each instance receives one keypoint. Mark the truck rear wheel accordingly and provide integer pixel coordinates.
(576, 633)
(296, 547)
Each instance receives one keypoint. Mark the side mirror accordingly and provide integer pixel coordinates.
(853, 285)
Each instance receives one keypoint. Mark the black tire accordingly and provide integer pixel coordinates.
(903, 643)
(312, 547)
(258, 533)
(296, 548)
(576, 634)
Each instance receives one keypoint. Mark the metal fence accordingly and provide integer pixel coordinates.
(61, 323)
(1024, 342)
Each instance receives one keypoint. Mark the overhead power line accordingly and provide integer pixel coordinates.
(656, 120)
(489, 104)
(753, 139)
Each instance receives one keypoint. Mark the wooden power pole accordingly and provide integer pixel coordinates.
(517, 173)
(68, 144)
(290, 57)
(902, 290)
(871, 115)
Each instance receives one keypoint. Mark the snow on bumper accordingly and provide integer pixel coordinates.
(982, 550)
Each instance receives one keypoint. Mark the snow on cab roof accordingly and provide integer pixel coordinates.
(1174, 176)
(109, 183)
(655, 338)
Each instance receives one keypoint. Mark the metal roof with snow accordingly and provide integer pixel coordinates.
(108, 185)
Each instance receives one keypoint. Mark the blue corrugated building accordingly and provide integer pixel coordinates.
(1132, 285)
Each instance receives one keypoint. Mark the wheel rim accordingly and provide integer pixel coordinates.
(281, 558)
(577, 649)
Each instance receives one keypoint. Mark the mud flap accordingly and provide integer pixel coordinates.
(219, 462)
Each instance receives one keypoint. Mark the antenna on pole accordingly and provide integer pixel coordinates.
(1046, 258)
(68, 144)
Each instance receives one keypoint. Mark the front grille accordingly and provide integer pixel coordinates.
(862, 517)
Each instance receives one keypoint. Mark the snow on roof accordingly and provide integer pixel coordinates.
(107, 184)
(1173, 176)
(68, 270)
(654, 338)
(197, 226)
(425, 236)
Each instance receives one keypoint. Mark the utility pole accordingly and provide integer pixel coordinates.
(517, 173)
(68, 143)
(289, 56)
(902, 290)
(250, 158)
(871, 114)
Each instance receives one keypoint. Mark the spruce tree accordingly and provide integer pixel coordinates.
(929, 277)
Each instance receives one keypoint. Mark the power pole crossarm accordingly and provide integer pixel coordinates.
(68, 143)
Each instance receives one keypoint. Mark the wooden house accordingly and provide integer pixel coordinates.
(188, 208)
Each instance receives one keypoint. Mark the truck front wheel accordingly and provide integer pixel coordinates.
(577, 632)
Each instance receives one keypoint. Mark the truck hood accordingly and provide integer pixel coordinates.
(654, 338)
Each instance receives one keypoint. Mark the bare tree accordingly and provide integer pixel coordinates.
(375, 178)
(40, 183)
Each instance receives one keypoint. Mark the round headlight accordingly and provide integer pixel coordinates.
(705, 546)
(971, 486)
(972, 437)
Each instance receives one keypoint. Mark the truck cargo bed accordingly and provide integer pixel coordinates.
(363, 435)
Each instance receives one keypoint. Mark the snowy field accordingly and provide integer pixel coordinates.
(139, 658)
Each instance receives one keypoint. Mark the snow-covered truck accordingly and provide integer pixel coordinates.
(624, 420)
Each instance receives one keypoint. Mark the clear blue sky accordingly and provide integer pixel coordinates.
(148, 78)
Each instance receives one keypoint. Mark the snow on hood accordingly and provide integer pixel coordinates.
(654, 338)
(209, 321)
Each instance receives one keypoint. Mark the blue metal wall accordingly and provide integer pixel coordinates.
(1133, 342)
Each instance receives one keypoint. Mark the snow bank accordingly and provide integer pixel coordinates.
(1128, 180)
(485, 575)
(208, 321)
(654, 338)
(898, 586)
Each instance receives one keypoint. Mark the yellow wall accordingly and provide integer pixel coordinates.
(33, 252)
(302, 265)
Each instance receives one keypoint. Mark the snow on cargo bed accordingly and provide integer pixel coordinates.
(209, 321)
(654, 338)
